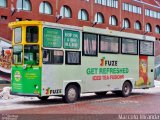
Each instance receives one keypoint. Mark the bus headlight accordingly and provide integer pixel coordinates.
(24, 66)
(36, 86)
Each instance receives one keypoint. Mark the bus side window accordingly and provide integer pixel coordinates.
(90, 47)
(57, 57)
(45, 56)
(73, 58)
(32, 34)
(53, 56)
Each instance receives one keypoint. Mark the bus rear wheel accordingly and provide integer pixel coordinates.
(126, 89)
(43, 98)
(71, 94)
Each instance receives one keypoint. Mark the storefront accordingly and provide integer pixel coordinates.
(5, 61)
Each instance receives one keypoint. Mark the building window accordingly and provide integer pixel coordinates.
(3, 17)
(131, 8)
(98, 1)
(125, 6)
(158, 15)
(148, 27)
(18, 19)
(65, 12)
(24, 5)
(157, 29)
(45, 8)
(113, 20)
(3, 3)
(137, 25)
(109, 3)
(151, 13)
(112, 3)
(83, 15)
(99, 17)
(126, 23)
(147, 12)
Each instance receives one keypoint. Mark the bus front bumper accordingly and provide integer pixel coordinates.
(22, 94)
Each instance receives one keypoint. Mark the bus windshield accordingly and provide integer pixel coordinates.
(32, 34)
(31, 54)
(18, 35)
(17, 54)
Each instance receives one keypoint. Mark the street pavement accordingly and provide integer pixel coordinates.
(140, 102)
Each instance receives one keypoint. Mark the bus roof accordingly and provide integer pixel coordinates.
(117, 33)
(84, 29)
(20, 23)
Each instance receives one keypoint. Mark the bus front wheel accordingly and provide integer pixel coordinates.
(71, 94)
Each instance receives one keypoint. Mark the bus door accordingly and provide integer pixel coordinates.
(146, 65)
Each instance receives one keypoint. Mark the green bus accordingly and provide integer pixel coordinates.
(51, 59)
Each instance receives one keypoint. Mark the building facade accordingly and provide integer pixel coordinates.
(134, 16)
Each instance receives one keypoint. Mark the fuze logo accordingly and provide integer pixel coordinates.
(108, 70)
(49, 91)
(104, 62)
(17, 76)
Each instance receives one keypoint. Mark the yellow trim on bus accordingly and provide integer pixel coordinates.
(23, 25)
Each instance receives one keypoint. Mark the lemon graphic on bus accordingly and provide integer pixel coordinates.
(17, 76)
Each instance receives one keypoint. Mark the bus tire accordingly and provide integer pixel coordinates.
(100, 93)
(43, 98)
(126, 89)
(71, 94)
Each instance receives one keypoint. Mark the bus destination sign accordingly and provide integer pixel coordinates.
(52, 38)
(71, 39)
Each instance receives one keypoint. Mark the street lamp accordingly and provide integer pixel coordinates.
(94, 23)
(123, 28)
(58, 17)
(146, 32)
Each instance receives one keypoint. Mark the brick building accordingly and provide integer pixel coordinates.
(135, 16)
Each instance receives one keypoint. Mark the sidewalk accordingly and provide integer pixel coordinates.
(157, 83)
(3, 84)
